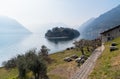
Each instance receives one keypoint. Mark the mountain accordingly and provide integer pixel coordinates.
(84, 25)
(105, 21)
(11, 26)
(47, 27)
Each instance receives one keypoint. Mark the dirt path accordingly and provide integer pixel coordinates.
(88, 66)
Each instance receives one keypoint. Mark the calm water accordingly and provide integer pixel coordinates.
(11, 44)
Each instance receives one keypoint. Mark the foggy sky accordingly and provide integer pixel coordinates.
(70, 12)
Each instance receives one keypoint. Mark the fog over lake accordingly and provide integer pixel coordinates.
(14, 44)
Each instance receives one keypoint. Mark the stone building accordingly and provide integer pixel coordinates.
(110, 34)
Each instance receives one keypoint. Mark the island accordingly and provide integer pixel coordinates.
(62, 33)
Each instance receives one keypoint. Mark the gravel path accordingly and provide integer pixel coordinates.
(89, 64)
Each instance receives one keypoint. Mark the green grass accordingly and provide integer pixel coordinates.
(59, 66)
(8, 74)
(108, 65)
(59, 56)
(58, 69)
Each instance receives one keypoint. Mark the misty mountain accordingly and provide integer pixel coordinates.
(84, 25)
(105, 21)
(11, 26)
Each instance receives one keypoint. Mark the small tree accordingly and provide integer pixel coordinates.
(80, 44)
(10, 63)
(21, 65)
(36, 65)
(43, 53)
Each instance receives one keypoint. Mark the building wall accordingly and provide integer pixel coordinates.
(111, 35)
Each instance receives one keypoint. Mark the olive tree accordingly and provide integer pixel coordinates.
(21, 65)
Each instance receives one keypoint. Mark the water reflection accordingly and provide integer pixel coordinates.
(11, 45)
(10, 39)
(56, 41)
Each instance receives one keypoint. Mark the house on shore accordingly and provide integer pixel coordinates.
(110, 34)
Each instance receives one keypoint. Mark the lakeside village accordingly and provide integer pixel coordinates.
(41, 65)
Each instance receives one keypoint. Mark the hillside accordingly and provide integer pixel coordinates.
(108, 64)
(11, 26)
(55, 69)
(103, 22)
(85, 25)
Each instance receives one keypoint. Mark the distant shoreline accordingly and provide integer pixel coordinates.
(57, 37)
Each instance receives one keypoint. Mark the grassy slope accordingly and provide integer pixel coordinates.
(57, 70)
(10, 74)
(108, 65)
(58, 67)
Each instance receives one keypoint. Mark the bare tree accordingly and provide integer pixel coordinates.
(80, 44)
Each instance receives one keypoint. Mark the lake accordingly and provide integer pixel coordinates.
(13, 44)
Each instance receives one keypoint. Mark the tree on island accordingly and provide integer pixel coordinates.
(62, 32)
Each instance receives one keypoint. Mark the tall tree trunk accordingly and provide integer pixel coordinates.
(88, 49)
(39, 76)
(36, 77)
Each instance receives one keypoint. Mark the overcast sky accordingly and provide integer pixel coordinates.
(70, 12)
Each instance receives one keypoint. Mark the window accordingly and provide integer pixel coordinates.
(104, 34)
(108, 34)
